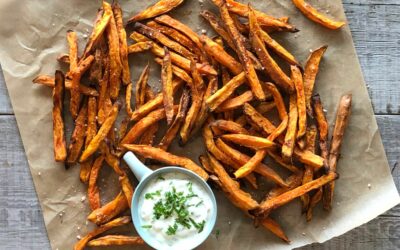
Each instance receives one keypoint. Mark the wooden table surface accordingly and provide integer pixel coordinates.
(375, 26)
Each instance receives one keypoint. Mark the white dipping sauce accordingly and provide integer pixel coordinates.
(195, 208)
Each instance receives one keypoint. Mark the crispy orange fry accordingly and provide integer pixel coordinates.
(59, 144)
(123, 45)
(229, 126)
(310, 74)
(128, 99)
(280, 104)
(78, 136)
(116, 240)
(263, 108)
(126, 188)
(49, 81)
(111, 159)
(161, 7)
(274, 227)
(268, 205)
(167, 158)
(109, 211)
(251, 74)
(140, 47)
(73, 49)
(141, 84)
(311, 13)
(164, 40)
(102, 133)
(315, 199)
(93, 189)
(323, 126)
(81, 244)
(290, 137)
(178, 72)
(153, 104)
(282, 162)
(307, 157)
(258, 119)
(293, 181)
(114, 55)
(249, 141)
(175, 126)
(73, 59)
(264, 20)
(240, 198)
(225, 92)
(270, 66)
(236, 102)
(104, 97)
(205, 162)
(342, 119)
(297, 79)
(96, 70)
(167, 88)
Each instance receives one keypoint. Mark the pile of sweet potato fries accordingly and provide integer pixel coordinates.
(229, 85)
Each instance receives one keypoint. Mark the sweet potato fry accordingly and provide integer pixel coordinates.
(251, 74)
(167, 88)
(307, 157)
(109, 211)
(280, 104)
(290, 137)
(72, 40)
(140, 47)
(297, 79)
(205, 162)
(274, 227)
(293, 181)
(73, 59)
(126, 188)
(178, 72)
(268, 205)
(236, 102)
(311, 13)
(104, 101)
(164, 40)
(114, 55)
(174, 128)
(323, 127)
(49, 81)
(218, 53)
(102, 133)
(167, 158)
(59, 144)
(218, 26)
(264, 20)
(225, 92)
(96, 70)
(123, 45)
(81, 244)
(263, 108)
(269, 64)
(140, 96)
(153, 104)
(278, 159)
(161, 7)
(249, 141)
(310, 74)
(78, 135)
(342, 119)
(315, 199)
(229, 126)
(112, 160)
(258, 119)
(116, 240)
(239, 198)
(93, 189)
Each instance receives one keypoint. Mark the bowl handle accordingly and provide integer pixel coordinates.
(137, 167)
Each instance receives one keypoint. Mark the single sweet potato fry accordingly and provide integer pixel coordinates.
(116, 240)
(93, 189)
(141, 84)
(140, 47)
(258, 119)
(126, 188)
(275, 228)
(236, 102)
(205, 162)
(290, 137)
(112, 160)
(278, 159)
(50, 82)
(229, 126)
(109, 211)
(167, 88)
(323, 126)
(59, 144)
(161, 7)
(297, 79)
(249, 141)
(78, 135)
(263, 108)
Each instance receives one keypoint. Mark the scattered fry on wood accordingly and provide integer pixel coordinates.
(109, 211)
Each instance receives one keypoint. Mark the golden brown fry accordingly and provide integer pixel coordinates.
(277, 48)
(167, 88)
(218, 53)
(141, 84)
(315, 199)
(178, 72)
(225, 92)
(323, 126)
(109, 211)
(116, 240)
(282, 162)
(93, 189)
(205, 162)
(307, 157)
(342, 119)
(153, 104)
(123, 45)
(229, 126)
(297, 79)
(96, 70)
(239, 198)
(73, 49)
(242, 159)
(293, 181)
(311, 13)
(164, 40)
(49, 81)
(251, 74)
(249, 141)
(236, 102)
(114, 55)
(78, 136)
(263, 108)
(104, 98)
(270, 66)
(102, 133)
(59, 144)
(174, 128)
(258, 119)
(167, 158)
(111, 159)
(242, 28)
(310, 74)
(140, 47)
(73, 59)
(264, 20)
(280, 104)
(81, 244)
(218, 26)
(102, 20)
(161, 7)
(126, 188)
(274, 227)
(268, 205)
(128, 99)
(290, 137)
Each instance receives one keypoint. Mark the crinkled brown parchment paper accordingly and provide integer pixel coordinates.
(32, 35)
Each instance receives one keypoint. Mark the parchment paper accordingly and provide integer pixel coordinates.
(32, 35)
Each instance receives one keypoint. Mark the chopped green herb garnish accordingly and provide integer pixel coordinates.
(198, 204)
(217, 233)
(147, 226)
(190, 185)
(199, 226)
(172, 229)
(160, 177)
(149, 196)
